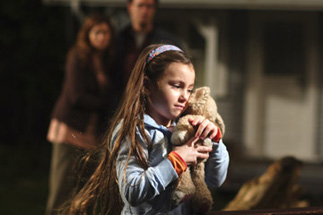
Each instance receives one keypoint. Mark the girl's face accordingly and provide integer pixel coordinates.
(100, 36)
(167, 98)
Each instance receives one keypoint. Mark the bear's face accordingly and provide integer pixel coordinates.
(201, 103)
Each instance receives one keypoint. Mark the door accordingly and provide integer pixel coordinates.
(281, 89)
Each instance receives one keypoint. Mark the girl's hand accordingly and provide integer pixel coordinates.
(190, 152)
(205, 129)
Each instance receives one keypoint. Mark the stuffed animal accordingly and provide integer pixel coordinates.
(191, 183)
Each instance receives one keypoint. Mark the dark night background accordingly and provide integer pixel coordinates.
(33, 43)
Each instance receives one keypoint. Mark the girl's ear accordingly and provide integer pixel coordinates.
(147, 86)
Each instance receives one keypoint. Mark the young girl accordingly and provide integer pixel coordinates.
(139, 168)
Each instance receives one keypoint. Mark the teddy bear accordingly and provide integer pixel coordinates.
(191, 183)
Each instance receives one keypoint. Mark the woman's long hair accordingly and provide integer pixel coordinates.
(83, 45)
(100, 195)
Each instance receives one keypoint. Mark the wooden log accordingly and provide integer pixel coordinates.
(276, 188)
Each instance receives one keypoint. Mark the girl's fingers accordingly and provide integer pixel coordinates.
(190, 151)
(204, 149)
(203, 125)
(195, 120)
(192, 141)
(203, 156)
(213, 131)
(203, 152)
(213, 134)
(207, 132)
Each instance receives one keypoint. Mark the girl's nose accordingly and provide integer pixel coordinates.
(185, 95)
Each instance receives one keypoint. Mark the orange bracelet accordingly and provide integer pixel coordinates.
(179, 164)
(218, 136)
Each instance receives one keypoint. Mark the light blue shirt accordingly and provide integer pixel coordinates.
(148, 191)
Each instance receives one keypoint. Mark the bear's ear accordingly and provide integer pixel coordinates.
(202, 93)
(206, 90)
(197, 100)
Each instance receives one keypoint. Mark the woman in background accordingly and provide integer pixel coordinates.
(83, 107)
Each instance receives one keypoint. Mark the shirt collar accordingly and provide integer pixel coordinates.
(150, 122)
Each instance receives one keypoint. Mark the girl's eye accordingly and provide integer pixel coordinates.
(176, 85)
(190, 91)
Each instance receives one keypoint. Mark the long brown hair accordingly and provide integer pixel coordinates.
(83, 44)
(101, 193)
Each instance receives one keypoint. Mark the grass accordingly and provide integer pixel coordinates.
(24, 179)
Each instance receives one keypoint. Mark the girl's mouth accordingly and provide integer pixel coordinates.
(180, 106)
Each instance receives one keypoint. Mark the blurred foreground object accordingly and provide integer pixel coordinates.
(276, 188)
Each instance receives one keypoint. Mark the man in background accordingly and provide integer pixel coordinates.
(140, 33)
